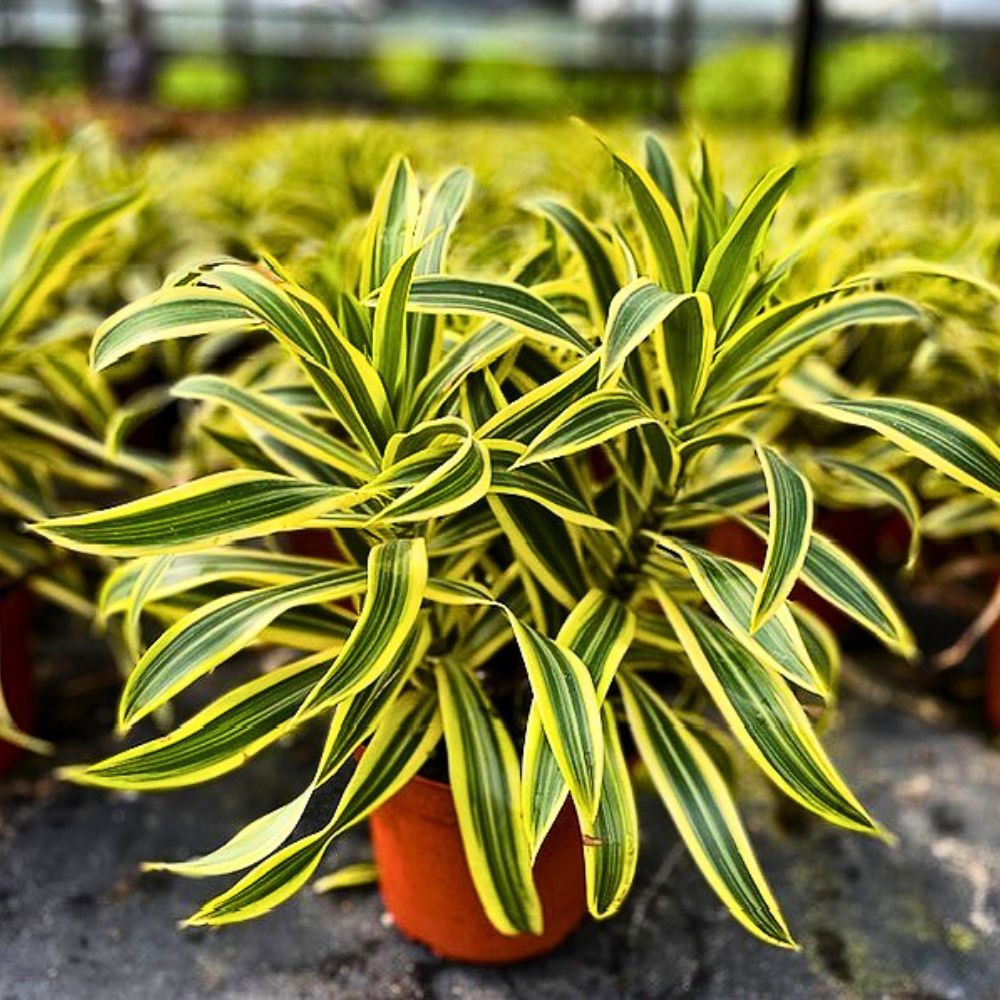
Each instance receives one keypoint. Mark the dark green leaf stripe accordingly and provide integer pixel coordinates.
(543, 543)
(482, 768)
(397, 575)
(611, 842)
(391, 223)
(218, 739)
(838, 577)
(196, 569)
(199, 642)
(268, 885)
(507, 302)
(699, 802)
(223, 507)
(390, 342)
(684, 353)
(889, 488)
(767, 720)
(525, 417)
(474, 352)
(461, 480)
(946, 442)
(790, 525)
(659, 167)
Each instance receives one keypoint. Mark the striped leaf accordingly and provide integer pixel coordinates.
(390, 341)
(945, 442)
(397, 576)
(568, 709)
(775, 340)
(599, 630)
(541, 483)
(277, 420)
(701, 806)
(660, 223)
(839, 578)
(597, 417)
(730, 588)
(355, 718)
(884, 487)
(611, 842)
(391, 224)
(529, 414)
(504, 301)
(790, 502)
(766, 718)
(684, 353)
(218, 739)
(591, 245)
(169, 314)
(482, 769)
(213, 510)
(458, 481)
(636, 312)
(247, 847)
(544, 545)
(731, 262)
(404, 738)
(398, 750)
(199, 642)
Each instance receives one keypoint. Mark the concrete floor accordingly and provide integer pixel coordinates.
(921, 919)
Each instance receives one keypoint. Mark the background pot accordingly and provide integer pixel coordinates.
(426, 884)
(15, 672)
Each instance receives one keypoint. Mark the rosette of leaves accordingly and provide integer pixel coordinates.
(534, 458)
(54, 411)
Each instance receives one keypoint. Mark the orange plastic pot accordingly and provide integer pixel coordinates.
(15, 672)
(427, 887)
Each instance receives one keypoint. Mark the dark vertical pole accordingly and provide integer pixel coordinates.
(91, 43)
(237, 30)
(802, 99)
(681, 55)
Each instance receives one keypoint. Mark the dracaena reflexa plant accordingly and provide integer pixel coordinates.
(455, 435)
(56, 415)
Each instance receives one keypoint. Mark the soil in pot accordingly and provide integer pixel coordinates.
(15, 672)
(427, 887)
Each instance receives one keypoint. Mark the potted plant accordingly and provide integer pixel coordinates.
(54, 411)
(522, 617)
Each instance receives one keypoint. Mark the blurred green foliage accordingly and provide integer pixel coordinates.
(895, 78)
(207, 83)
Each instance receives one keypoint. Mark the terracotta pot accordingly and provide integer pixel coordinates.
(853, 530)
(15, 674)
(426, 884)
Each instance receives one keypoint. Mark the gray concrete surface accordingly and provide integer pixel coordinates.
(921, 919)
